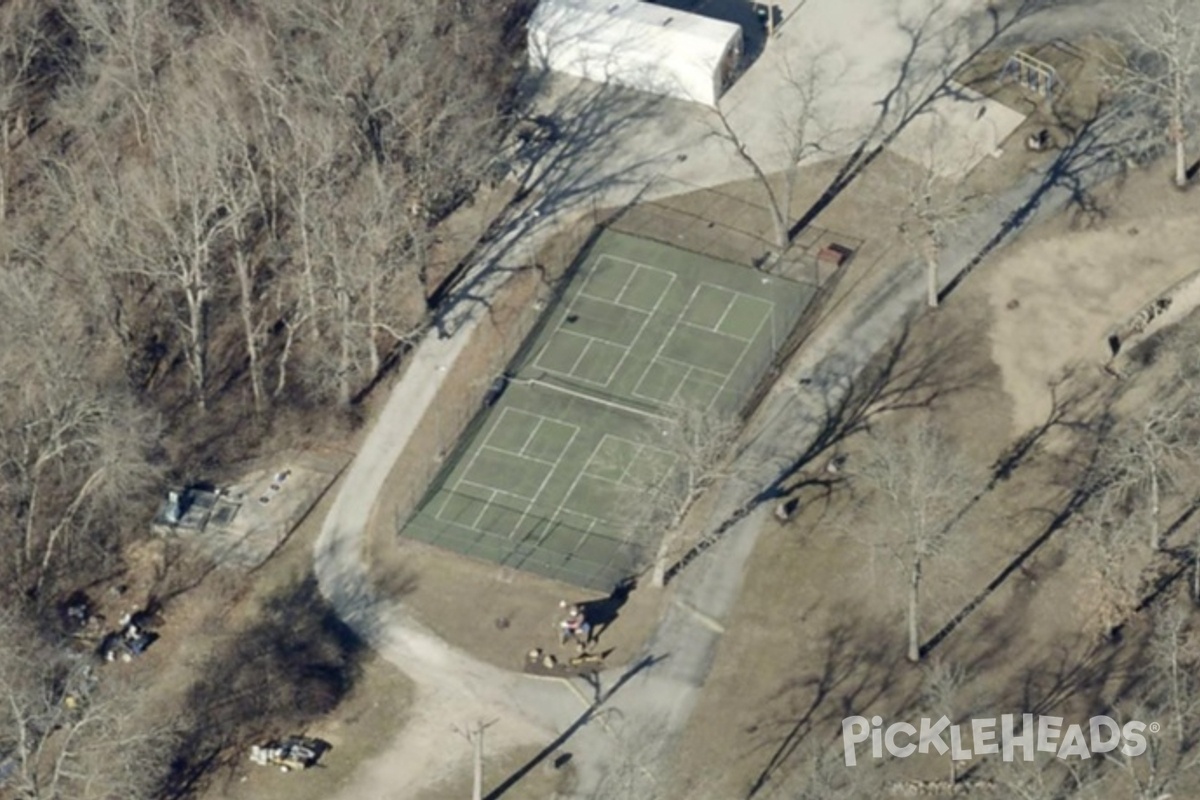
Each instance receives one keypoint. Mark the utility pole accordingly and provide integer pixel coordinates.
(475, 737)
(477, 792)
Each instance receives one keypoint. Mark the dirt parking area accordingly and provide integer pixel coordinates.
(817, 635)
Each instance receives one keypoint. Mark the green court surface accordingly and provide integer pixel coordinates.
(642, 328)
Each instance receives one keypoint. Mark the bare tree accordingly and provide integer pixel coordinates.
(1176, 651)
(932, 202)
(1161, 72)
(20, 44)
(943, 695)
(1112, 562)
(127, 43)
(1047, 778)
(1148, 454)
(1166, 767)
(662, 476)
(65, 734)
(796, 133)
(915, 484)
(68, 448)
(368, 292)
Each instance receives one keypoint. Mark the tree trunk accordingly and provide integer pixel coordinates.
(372, 326)
(51, 542)
(780, 223)
(345, 345)
(931, 282)
(246, 303)
(289, 337)
(914, 590)
(196, 337)
(1196, 571)
(658, 578)
(477, 791)
(1180, 160)
(310, 283)
(1155, 543)
(30, 513)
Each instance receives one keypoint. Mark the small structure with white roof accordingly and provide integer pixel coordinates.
(636, 44)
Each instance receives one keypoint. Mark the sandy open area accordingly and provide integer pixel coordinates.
(1072, 286)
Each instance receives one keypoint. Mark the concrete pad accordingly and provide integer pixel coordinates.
(957, 132)
(867, 53)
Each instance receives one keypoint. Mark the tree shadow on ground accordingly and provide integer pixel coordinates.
(1079, 672)
(830, 405)
(922, 78)
(593, 712)
(603, 612)
(570, 165)
(1087, 479)
(296, 663)
(859, 668)
(1099, 148)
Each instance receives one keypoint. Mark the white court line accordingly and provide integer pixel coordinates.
(475, 523)
(571, 489)
(658, 351)
(504, 452)
(736, 294)
(679, 363)
(586, 347)
(549, 474)
(596, 400)
(714, 331)
(653, 312)
(541, 418)
(475, 456)
(528, 438)
(571, 375)
(745, 349)
(620, 481)
(746, 343)
(590, 340)
(636, 266)
(725, 313)
(582, 293)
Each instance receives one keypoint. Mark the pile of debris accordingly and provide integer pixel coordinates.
(292, 753)
(131, 639)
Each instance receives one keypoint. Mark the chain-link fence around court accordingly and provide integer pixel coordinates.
(547, 480)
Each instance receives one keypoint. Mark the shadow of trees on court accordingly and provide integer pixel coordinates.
(294, 664)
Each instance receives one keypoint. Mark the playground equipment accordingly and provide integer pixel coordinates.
(1032, 73)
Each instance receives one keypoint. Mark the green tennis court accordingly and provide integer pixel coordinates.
(642, 328)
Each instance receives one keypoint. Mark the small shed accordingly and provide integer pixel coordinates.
(636, 44)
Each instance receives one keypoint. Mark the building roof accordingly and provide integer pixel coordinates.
(638, 44)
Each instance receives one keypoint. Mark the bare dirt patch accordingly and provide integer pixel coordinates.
(1056, 295)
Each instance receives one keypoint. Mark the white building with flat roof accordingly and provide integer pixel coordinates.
(636, 44)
